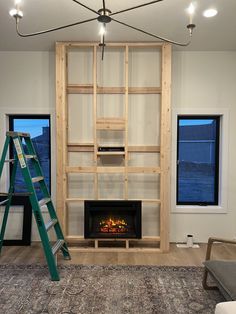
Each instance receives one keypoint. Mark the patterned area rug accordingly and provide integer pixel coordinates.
(105, 290)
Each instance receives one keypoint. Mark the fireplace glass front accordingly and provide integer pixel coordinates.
(112, 219)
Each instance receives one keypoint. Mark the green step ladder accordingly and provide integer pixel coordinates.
(22, 157)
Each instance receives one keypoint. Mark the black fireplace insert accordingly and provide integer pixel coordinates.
(112, 219)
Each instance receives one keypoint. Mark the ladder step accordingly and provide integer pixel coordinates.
(37, 179)
(30, 156)
(4, 202)
(50, 224)
(56, 247)
(14, 134)
(9, 160)
(44, 201)
(15, 194)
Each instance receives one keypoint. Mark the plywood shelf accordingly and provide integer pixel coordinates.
(110, 153)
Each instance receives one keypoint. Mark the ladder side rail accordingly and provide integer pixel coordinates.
(37, 167)
(4, 153)
(8, 204)
(58, 230)
(46, 194)
(42, 183)
(36, 210)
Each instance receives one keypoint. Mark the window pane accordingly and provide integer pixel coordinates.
(197, 170)
(39, 129)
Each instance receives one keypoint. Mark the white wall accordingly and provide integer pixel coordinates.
(27, 86)
(200, 79)
(207, 80)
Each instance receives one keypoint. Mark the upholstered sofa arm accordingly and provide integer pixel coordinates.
(218, 240)
(222, 271)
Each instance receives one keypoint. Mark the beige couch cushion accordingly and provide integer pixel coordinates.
(224, 273)
(226, 308)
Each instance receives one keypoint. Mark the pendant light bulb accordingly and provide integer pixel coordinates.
(191, 9)
(16, 13)
(102, 30)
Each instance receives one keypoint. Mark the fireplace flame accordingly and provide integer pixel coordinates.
(113, 225)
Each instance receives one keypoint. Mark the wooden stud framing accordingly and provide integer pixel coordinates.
(95, 120)
(113, 124)
(165, 147)
(89, 147)
(77, 199)
(126, 119)
(89, 89)
(61, 127)
(144, 149)
(113, 169)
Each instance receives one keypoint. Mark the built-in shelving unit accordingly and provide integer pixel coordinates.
(123, 101)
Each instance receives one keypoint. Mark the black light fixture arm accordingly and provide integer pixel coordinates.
(50, 29)
(104, 16)
(190, 27)
(136, 7)
(86, 7)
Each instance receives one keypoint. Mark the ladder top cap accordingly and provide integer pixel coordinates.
(13, 134)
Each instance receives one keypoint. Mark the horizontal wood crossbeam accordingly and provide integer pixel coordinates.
(144, 149)
(115, 124)
(83, 147)
(78, 199)
(72, 238)
(88, 89)
(150, 170)
(115, 250)
(89, 147)
(70, 44)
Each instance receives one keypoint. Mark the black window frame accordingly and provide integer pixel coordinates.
(11, 118)
(217, 159)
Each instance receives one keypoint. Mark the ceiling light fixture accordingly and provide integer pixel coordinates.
(105, 16)
(210, 12)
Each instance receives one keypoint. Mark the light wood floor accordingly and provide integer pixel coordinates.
(176, 256)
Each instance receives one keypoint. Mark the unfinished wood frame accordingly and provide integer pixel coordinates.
(64, 147)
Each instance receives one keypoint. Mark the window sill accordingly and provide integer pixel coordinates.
(194, 209)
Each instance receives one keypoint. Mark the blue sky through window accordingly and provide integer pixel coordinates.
(194, 121)
(32, 126)
(39, 130)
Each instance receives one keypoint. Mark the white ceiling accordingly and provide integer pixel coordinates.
(167, 18)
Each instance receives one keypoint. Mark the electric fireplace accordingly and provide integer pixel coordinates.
(112, 219)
